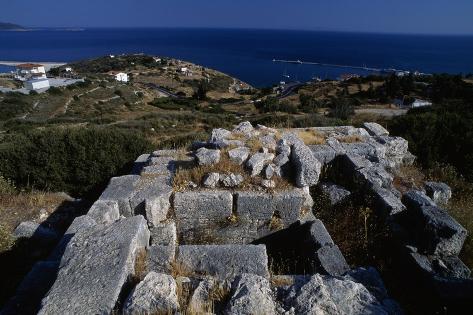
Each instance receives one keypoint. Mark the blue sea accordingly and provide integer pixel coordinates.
(249, 54)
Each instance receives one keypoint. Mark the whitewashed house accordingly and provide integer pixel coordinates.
(420, 103)
(37, 84)
(121, 77)
(186, 71)
(26, 71)
(415, 104)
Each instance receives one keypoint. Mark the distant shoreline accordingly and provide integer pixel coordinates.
(48, 64)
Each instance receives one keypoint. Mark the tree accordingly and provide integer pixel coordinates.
(200, 92)
(341, 108)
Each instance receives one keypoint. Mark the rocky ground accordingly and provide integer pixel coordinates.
(232, 227)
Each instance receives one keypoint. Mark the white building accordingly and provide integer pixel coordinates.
(186, 71)
(26, 71)
(37, 84)
(415, 104)
(420, 103)
(121, 77)
(68, 69)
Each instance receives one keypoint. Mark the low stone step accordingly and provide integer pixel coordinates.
(95, 267)
(223, 261)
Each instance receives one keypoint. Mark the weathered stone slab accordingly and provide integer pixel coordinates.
(251, 294)
(104, 211)
(440, 193)
(224, 261)
(219, 134)
(257, 162)
(160, 258)
(438, 232)
(268, 141)
(244, 127)
(371, 279)
(239, 155)
(395, 146)
(164, 234)
(204, 205)
(307, 167)
(207, 156)
(201, 300)
(151, 198)
(321, 294)
(231, 180)
(140, 163)
(160, 165)
(372, 151)
(374, 177)
(94, 268)
(211, 180)
(121, 189)
(156, 294)
(262, 206)
(331, 260)
(319, 235)
(81, 224)
(375, 129)
(324, 153)
(34, 231)
(387, 202)
(416, 199)
(334, 193)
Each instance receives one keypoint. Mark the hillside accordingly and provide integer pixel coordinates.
(74, 139)
(10, 26)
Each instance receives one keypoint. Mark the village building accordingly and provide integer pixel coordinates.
(121, 77)
(37, 84)
(416, 103)
(26, 71)
(186, 71)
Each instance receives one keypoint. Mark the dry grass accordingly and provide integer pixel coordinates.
(281, 281)
(408, 177)
(276, 223)
(183, 296)
(311, 137)
(6, 239)
(178, 269)
(24, 206)
(218, 296)
(350, 139)
(254, 144)
(141, 264)
(197, 173)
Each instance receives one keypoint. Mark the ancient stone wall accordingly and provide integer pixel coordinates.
(202, 231)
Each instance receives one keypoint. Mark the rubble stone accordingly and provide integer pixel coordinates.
(156, 294)
(207, 156)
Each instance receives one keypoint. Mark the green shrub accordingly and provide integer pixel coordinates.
(54, 90)
(72, 160)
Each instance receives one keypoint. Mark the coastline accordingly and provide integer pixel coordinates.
(48, 65)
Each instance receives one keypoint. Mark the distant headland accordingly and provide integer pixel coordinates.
(11, 27)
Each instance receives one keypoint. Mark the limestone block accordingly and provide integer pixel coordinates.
(224, 261)
(156, 294)
(122, 189)
(94, 268)
(307, 167)
(251, 294)
(104, 211)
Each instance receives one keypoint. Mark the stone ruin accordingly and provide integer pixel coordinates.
(229, 228)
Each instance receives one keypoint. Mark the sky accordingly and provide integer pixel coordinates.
(384, 16)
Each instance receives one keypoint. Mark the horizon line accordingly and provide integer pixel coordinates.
(247, 28)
